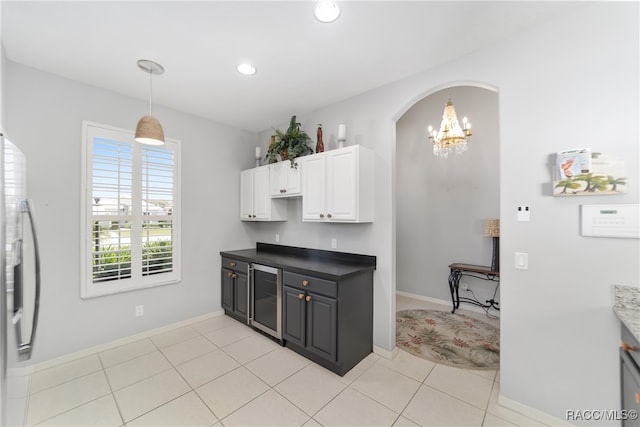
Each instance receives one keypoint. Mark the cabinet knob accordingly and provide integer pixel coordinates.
(229, 274)
(321, 215)
(232, 264)
(328, 215)
(233, 276)
(628, 347)
(308, 298)
(300, 296)
(305, 283)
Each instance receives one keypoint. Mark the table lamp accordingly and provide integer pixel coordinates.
(492, 229)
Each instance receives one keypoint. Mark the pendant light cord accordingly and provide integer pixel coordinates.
(150, 90)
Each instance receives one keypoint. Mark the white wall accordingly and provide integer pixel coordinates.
(572, 82)
(442, 204)
(44, 118)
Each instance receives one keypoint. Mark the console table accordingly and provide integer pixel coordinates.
(478, 271)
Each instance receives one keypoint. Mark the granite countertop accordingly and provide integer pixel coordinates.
(627, 307)
(324, 264)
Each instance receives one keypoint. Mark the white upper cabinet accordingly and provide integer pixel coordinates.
(285, 180)
(255, 198)
(337, 185)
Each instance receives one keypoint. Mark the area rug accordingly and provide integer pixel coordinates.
(451, 339)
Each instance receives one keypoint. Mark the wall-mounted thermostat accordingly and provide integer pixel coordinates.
(611, 221)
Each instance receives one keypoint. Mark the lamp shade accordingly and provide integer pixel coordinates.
(149, 131)
(492, 228)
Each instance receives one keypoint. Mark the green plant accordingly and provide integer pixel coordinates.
(290, 144)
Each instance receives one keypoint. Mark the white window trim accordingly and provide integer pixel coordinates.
(88, 289)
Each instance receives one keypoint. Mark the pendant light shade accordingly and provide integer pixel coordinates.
(149, 131)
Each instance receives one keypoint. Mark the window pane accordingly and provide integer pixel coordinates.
(112, 177)
(111, 254)
(157, 247)
(158, 167)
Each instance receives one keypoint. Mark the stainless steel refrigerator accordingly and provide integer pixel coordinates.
(19, 286)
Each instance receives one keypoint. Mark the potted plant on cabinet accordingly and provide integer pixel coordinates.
(290, 144)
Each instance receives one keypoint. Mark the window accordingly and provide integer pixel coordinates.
(130, 212)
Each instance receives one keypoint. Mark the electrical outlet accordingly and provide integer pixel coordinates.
(139, 310)
(334, 243)
(277, 238)
(465, 287)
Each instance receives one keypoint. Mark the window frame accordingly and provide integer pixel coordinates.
(89, 288)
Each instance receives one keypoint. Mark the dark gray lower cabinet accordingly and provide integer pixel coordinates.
(310, 321)
(629, 377)
(329, 322)
(235, 288)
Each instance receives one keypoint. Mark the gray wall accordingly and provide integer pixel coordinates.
(441, 204)
(44, 118)
(557, 90)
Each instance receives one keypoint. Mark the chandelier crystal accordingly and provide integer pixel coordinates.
(451, 137)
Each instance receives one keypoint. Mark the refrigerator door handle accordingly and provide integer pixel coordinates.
(25, 348)
(17, 281)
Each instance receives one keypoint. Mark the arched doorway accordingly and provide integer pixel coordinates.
(442, 204)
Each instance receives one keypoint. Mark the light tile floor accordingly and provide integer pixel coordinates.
(219, 372)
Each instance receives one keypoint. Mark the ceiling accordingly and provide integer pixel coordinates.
(302, 64)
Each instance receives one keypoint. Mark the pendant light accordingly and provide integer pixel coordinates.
(149, 131)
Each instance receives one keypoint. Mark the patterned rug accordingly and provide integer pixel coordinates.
(451, 339)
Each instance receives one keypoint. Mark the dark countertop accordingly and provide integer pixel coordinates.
(323, 264)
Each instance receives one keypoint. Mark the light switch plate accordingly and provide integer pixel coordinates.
(522, 261)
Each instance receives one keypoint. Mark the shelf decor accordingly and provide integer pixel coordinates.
(581, 172)
(290, 144)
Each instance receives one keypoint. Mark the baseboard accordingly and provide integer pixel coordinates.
(447, 303)
(122, 341)
(386, 353)
(533, 413)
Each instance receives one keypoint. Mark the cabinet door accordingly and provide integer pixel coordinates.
(342, 184)
(322, 320)
(262, 195)
(277, 179)
(246, 195)
(227, 289)
(293, 184)
(314, 178)
(294, 315)
(241, 291)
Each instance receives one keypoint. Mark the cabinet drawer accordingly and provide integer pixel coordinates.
(311, 284)
(235, 265)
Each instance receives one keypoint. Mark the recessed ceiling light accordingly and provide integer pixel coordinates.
(326, 11)
(246, 69)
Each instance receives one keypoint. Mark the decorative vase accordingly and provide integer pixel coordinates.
(320, 144)
(284, 154)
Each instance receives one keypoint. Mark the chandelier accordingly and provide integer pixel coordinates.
(451, 137)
